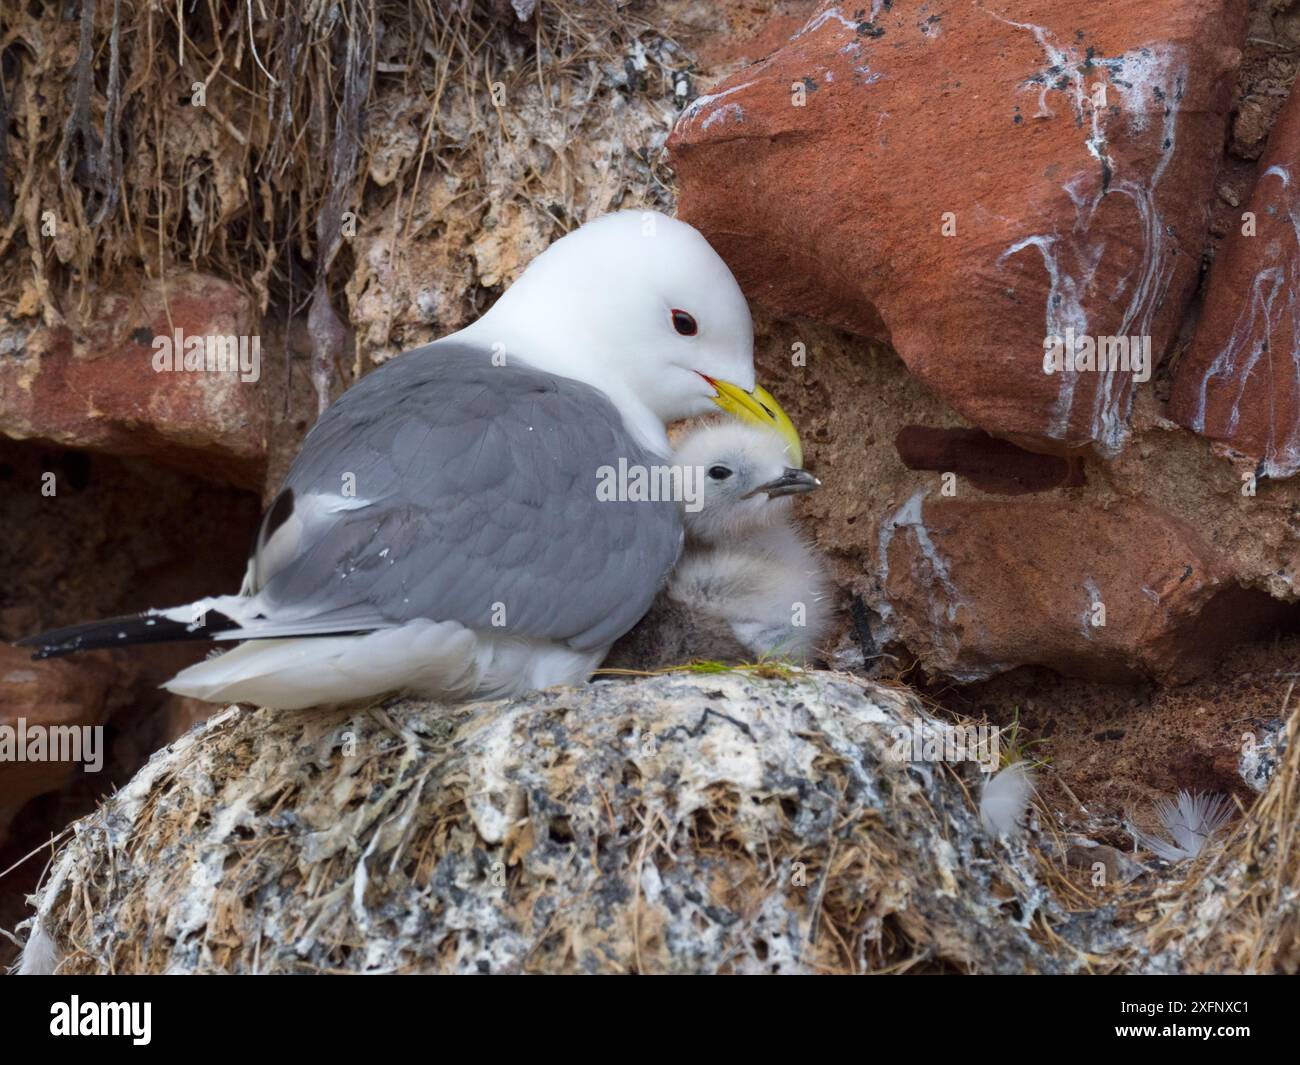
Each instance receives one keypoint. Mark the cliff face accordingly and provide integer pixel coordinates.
(977, 192)
(914, 205)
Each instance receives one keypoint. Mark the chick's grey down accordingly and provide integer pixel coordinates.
(748, 585)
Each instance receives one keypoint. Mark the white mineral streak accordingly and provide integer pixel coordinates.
(832, 14)
(723, 113)
(1272, 306)
(700, 104)
(942, 596)
(1143, 76)
(1093, 594)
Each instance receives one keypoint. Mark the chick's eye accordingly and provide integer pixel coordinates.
(719, 473)
(684, 323)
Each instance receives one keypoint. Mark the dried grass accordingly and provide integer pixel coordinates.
(673, 823)
(763, 828)
(429, 122)
(1238, 908)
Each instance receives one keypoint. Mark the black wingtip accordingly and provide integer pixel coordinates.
(123, 632)
(43, 650)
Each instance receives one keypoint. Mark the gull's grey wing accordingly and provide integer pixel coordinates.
(442, 486)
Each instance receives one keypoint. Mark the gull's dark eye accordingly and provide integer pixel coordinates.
(684, 323)
(719, 473)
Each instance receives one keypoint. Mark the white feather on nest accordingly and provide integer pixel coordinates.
(1005, 799)
(1192, 821)
(41, 955)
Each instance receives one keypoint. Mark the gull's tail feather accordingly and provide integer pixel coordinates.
(153, 626)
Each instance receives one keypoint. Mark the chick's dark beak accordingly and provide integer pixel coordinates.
(789, 483)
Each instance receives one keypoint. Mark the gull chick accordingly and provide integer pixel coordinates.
(748, 585)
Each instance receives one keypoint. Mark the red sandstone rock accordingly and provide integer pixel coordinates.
(975, 588)
(1239, 383)
(1071, 211)
(44, 694)
(100, 391)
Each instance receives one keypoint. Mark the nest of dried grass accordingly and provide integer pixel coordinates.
(720, 824)
(732, 822)
(1237, 909)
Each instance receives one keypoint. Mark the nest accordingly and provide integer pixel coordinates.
(726, 823)
(1238, 911)
(678, 823)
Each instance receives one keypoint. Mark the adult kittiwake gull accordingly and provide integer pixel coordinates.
(748, 586)
(487, 514)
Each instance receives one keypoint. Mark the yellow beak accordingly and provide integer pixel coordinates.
(759, 408)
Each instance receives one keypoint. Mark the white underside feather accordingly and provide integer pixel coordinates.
(436, 660)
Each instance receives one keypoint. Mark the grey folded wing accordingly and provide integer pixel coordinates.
(442, 486)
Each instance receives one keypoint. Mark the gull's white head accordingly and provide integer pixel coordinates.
(638, 305)
(748, 481)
